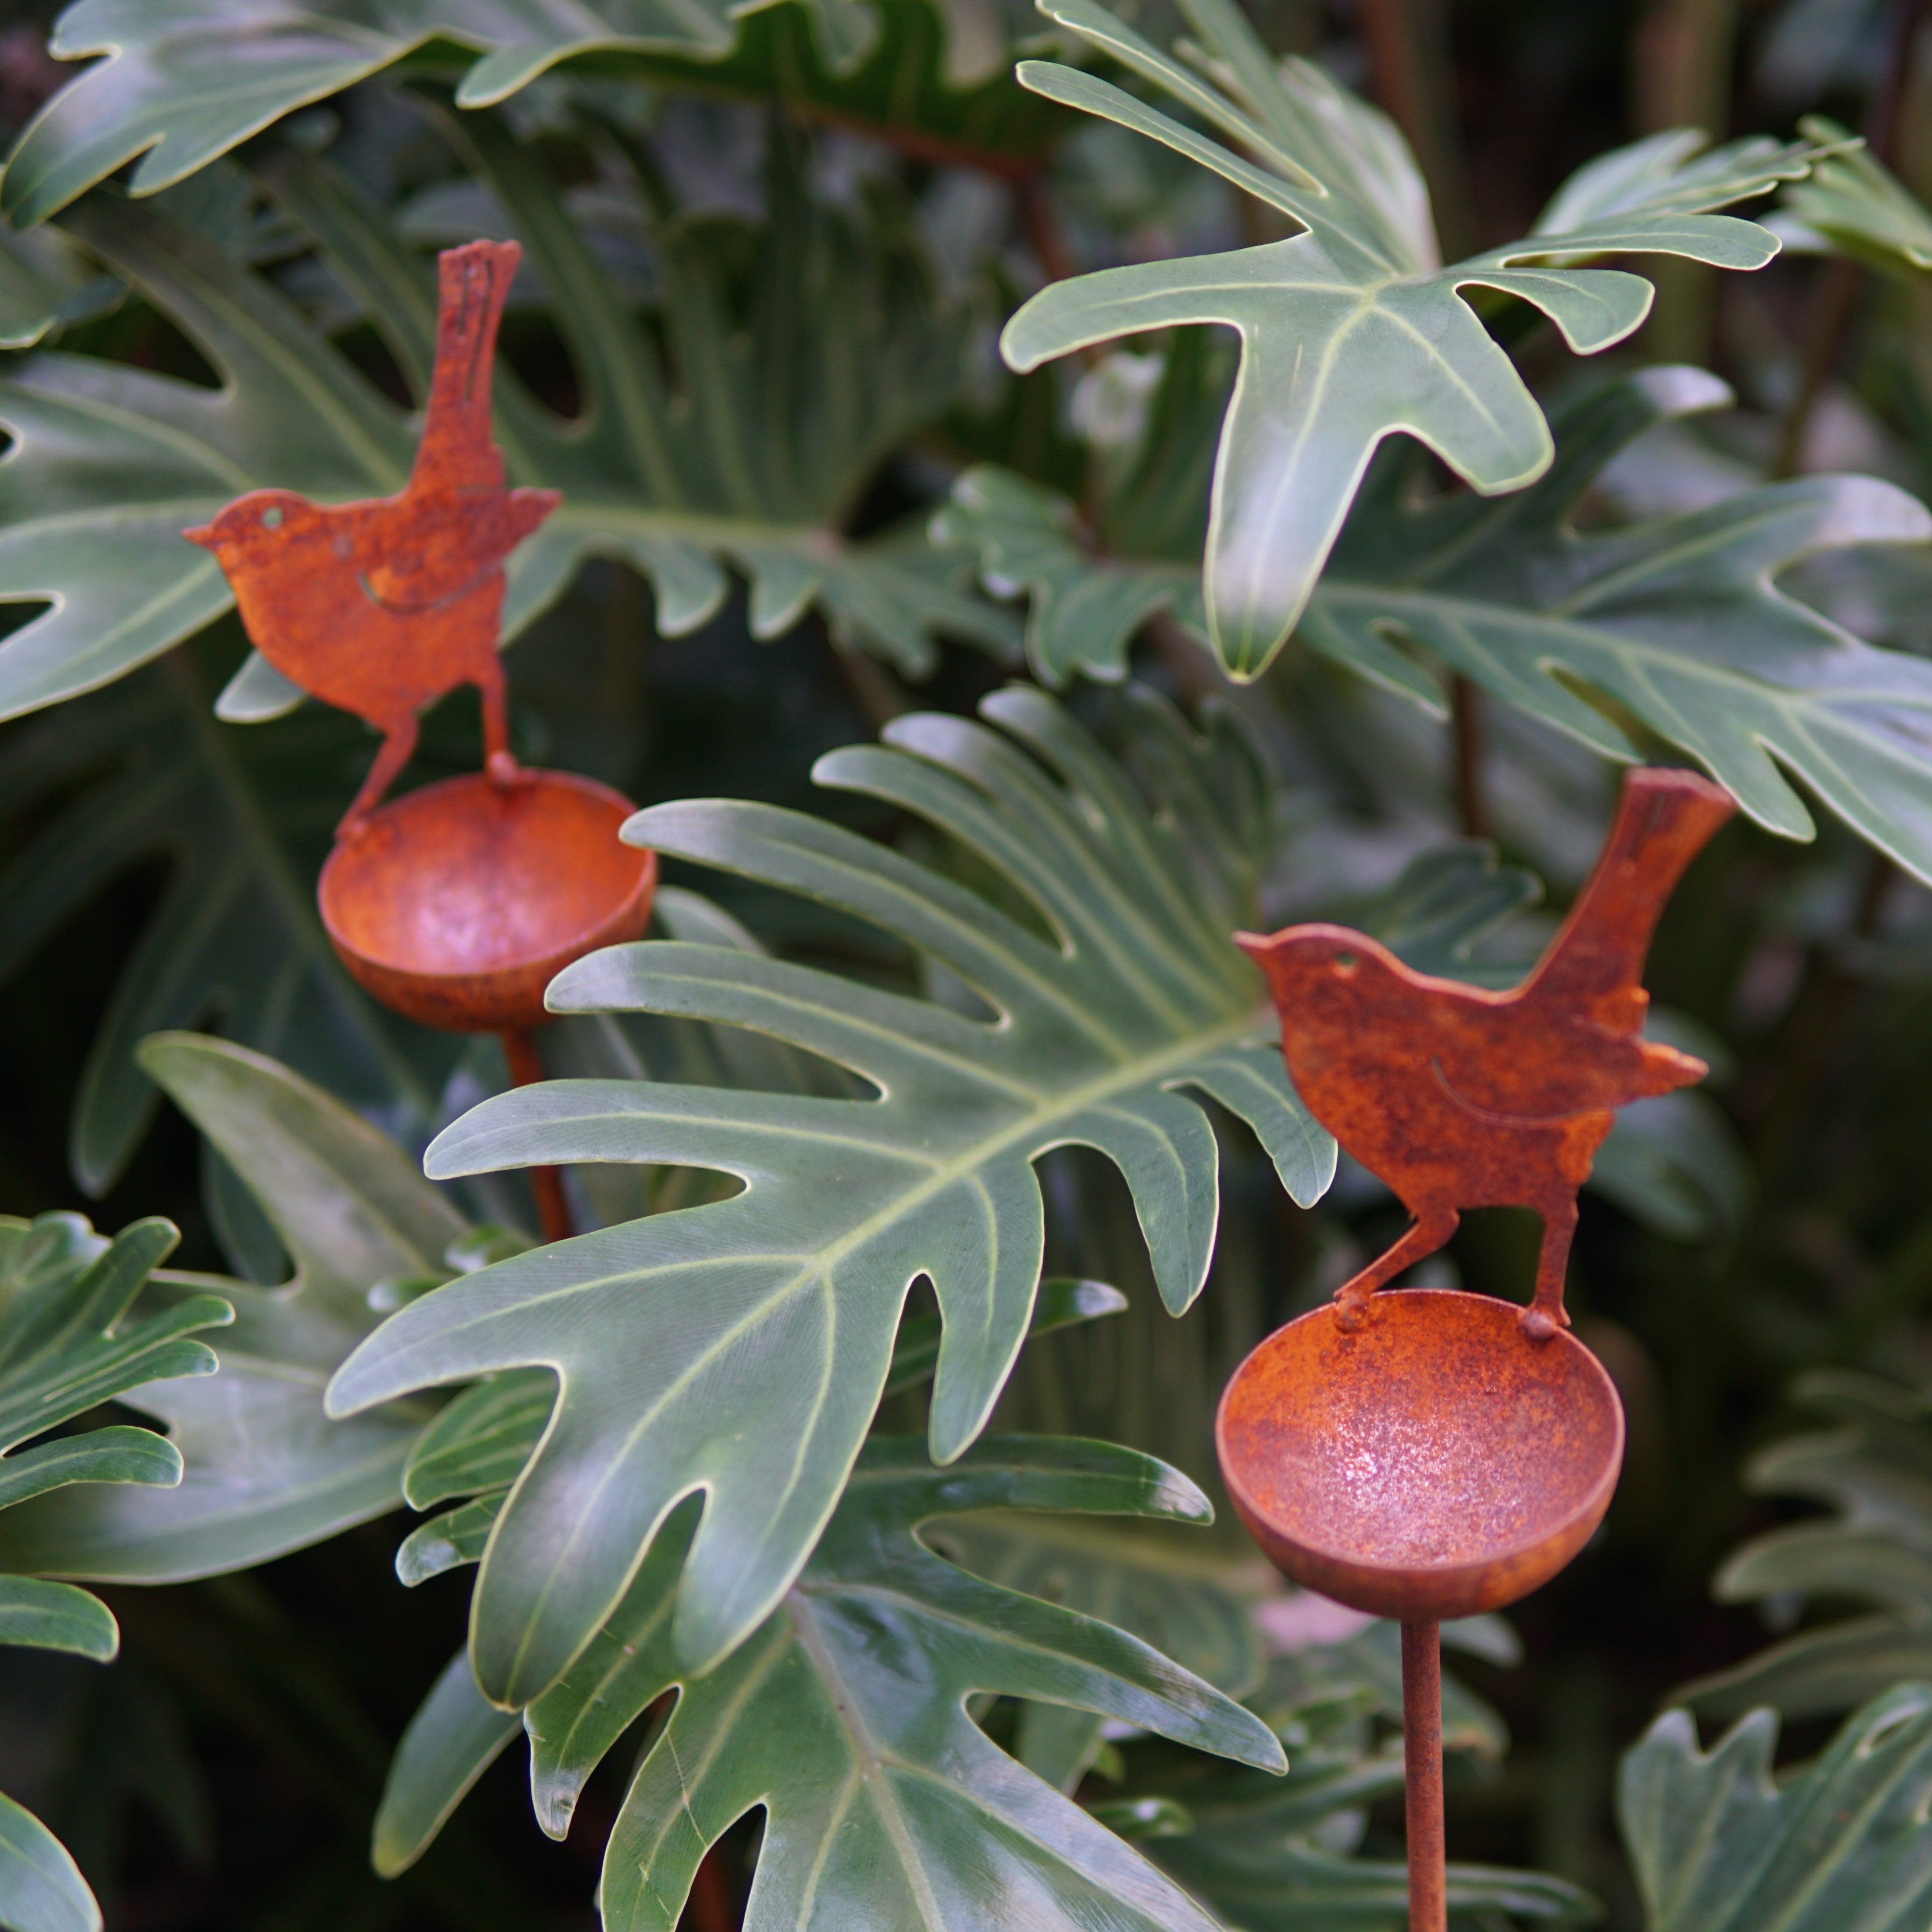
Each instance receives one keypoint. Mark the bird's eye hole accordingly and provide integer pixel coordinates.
(1345, 964)
(271, 519)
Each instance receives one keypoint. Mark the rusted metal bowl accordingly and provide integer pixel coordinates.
(1432, 1463)
(457, 904)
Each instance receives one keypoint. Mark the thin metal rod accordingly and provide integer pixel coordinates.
(1422, 1775)
(527, 1066)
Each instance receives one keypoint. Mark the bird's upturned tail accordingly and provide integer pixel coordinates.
(1595, 963)
(456, 449)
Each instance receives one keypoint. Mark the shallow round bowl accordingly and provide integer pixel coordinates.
(457, 904)
(1433, 1462)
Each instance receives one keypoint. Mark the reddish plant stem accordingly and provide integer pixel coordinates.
(527, 1068)
(1422, 1776)
(713, 1906)
(1834, 302)
(1466, 719)
(1410, 57)
(1041, 226)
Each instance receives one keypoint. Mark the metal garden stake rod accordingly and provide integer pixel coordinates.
(1430, 1454)
(457, 904)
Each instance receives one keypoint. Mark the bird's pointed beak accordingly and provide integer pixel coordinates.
(203, 534)
(1256, 945)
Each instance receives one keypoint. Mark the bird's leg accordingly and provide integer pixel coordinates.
(399, 741)
(498, 760)
(1433, 1228)
(1546, 1314)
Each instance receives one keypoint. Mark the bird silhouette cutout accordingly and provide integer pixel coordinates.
(381, 607)
(1460, 1098)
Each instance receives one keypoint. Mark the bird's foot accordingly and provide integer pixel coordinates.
(504, 771)
(1540, 1325)
(1348, 1311)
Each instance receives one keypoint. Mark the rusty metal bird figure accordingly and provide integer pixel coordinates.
(1459, 1098)
(381, 607)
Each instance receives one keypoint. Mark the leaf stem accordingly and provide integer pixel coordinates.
(1835, 300)
(1414, 68)
(1466, 722)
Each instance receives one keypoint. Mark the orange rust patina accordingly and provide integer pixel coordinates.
(460, 902)
(1428, 1463)
(457, 904)
(1460, 1098)
(1428, 1454)
(381, 608)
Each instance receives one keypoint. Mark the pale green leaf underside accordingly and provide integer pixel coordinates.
(1677, 621)
(41, 1889)
(844, 1716)
(1718, 1846)
(754, 467)
(38, 1615)
(181, 84)
(1854, 204)
(768, 1318)
(266, 1471)
(1875, 1549)
(1350, 331)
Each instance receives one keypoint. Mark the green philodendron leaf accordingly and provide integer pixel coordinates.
(67, 1345)
(1718, 1846)
(1673, 629)
(266, 1471)
(1083, 608)
(70, 1339)
(741, 1347)
(843, 1717)
(41, 1889)
(455, 1737)
(1283, 1854)
(177, 85)
(479, 1443)
(124, 777)
(1185, 1605)
(1351, 330)
(1873, 1472)
(45, 280)
(38, 1615)
(1854, 205)
(779, 426)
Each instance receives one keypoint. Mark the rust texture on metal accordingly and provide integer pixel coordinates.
(1422, 1776)
(381, 608)
(1430, 1462)
(1430, 1454)
(459, 902)
(1458, 1097)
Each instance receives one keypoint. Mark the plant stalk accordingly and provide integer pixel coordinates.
(1422, 1776)
(526, 1068)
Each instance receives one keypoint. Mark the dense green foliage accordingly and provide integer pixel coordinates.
(1035, 501)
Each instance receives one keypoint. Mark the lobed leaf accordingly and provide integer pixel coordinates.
(1873, 1472)
(757, 464)
(1351, 330)
(176, 87)
(266, 1471)
(843, 1717)
(1853, 204)
(740, 1348)
(1717, 1846)
(1674, 629)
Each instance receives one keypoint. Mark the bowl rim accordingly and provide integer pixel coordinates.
(337, 876)
(1592, 1504)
